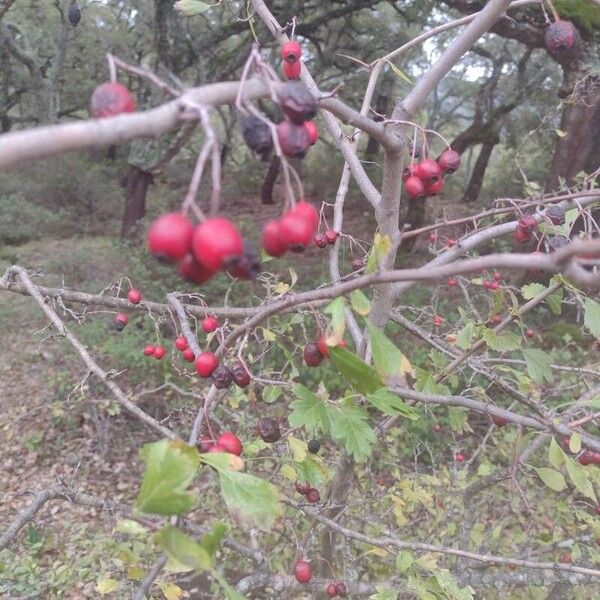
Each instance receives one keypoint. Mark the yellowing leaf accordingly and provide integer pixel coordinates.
(170, 590)
(135, 573)
(288, 472)
(106, 585)
(223, 461)
(268, 335)
(298, 448)
(575, 443)
(281, 288)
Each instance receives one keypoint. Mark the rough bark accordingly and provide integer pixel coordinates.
(136, 184)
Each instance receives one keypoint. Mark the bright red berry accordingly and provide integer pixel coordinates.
(340, 588)
(170, 236)
(494, 285)
(159, 352)
(209, 324)
(487, 284)
(499, 421)
(302, 488)
(452, 282)
(134, 296)
(110, 99)
(437, 320)
(218, 448)
(297, 230)
(322, 346)
(449, 161)
(529, 333)
(331, 590)
(313, 495)
(331, 235)
(521, 235)
(188, 354)
(292, 70)
(313, 131)
(291, 52)
(231, 442)
(458, 457)
(272, 240)
(312, 356)
(216, 241)
(181, 343)
(320, 240)
(432, 189)
(293, 139)
(415, 188)
(302, 571)
(410, 171)
(450, 242)
(120, 321)
(429, 171)
(206, 363)
(149, 350)
(528, 223)
(433, 236)
(191, 270)
(307, 211)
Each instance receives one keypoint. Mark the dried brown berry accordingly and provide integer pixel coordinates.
(297, 102)
(561, 38)
(293, 139)
(303, 488)
(221, 377)
(257, 134)
(268, 430)
(241, 376)
(313, 495)
(312, 356)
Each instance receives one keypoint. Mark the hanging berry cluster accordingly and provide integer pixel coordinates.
(425, 178)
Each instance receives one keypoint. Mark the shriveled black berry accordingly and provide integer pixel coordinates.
(312, 356)
(74, 15)
(240, 375)
(257, 134)
(268, 430)
(297, 102)
(314, 446)
(222, 377)
(303, 488)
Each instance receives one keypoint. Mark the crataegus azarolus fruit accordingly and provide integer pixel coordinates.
(110, 99)
(170, 236)
(216, 241)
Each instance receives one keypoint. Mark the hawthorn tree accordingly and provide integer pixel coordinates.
(310, 494)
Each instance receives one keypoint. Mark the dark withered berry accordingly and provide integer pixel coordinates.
(268, 430)
(221, 377)
(297, 102)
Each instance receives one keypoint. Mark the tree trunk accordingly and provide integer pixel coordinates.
(136, 184)
(382, 105)
(478, 173)
(266, 192)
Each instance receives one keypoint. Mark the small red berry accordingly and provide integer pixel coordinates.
(561, 37)
(216, 241)
(313, 495)
(528, 223)
(120, 321)
(529, 333)
(312, 356)
(499, 421)
(206, 363)
(292, 70)
(340, 588)
(452, 282)
(331, 590)
(209, 324)
(291, 51)
(307, 211)
(437, 428)
(170, 236)
(458, 457)
(191, 270)
(181, 343)
(429, 171)
(415, 188)
(449, 161)
(272, 240)
(302, 488)
(566, 558)
(322, 346)
(342, 344)
(450, 242)
(159, 352)
(218, 448)
(134, 296)
(433, 236)
(188, 354)
(313, 131)
(297, 230)
(331, 236)
(432, 189)
(205, 444)
(494, 285)
(293, 139)
(410, 171)
(437, 321)
(497, 276)
(521, 235)
(231, 442)
(149, 350)
(302, 571)
(110, 99)
(320, 240)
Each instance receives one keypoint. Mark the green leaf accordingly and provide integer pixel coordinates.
(459, 419)
(170, 468)
(553, 479)
(183, 549)
(425, 382)
(465, 335)
(555, 454)
(191, 8)
(501, 342)
(579, 478)
(230, 593)
(450, 587)
(404, 561)
(222, 461)
(336, 309)
(538, 365)
(314, 470)
(349, 424)
(388, 360)
(391, 404)
(384, 593)
(170, 590)
(398, 71)
(592, 316)
(359, 375)
(298, 448)
(554, 301)
(570, 217)
(575, 443)
(380, 249)
(210, 541)
(360, 303)
(250, 499)
(531, 290)
(309, 410)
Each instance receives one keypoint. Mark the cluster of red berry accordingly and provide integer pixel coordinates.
(314, 353)
(425, 178)
(226, 442)
(293, 231)
(525, 228)
(336, 588)
(310, 493)
(329, 237)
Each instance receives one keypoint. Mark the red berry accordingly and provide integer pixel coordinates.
(209, 324)
(218, 448)
(159, 352)
(322, 346)
(566, 558)
(293, 139)
(297, 230)
(450, 242)
(521, 235)
(410, 171)
(110, 99)
(302, 571)
(486, 284)
(415, 188)
(458, 457)
(313, 131)
(291, 52)
(529, 333)
(292, 70)
(134, 296)
(494, 285)
(449, 161)
(561, 37)
(499, 421)
(497, 276)
(342, 344)
(205, 444)
(149, 350)
(429, 171)
(437, 428)
(272, 240)
(120, 321)
(302, 488)
(216, 241)
(340, 588)
(452, 282)
(188, 354)
(307, 211)
(437, 321)
(206, 363)
(433, 236)
(331, 236)
(528, 223)
(312, 356)
(170, 236)
(313, 495)
(320, 240)
(495, 320)
(432, 189)
(181, 343)
(191, 270)
(586, 458)
(231, 442)
(331, 590)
